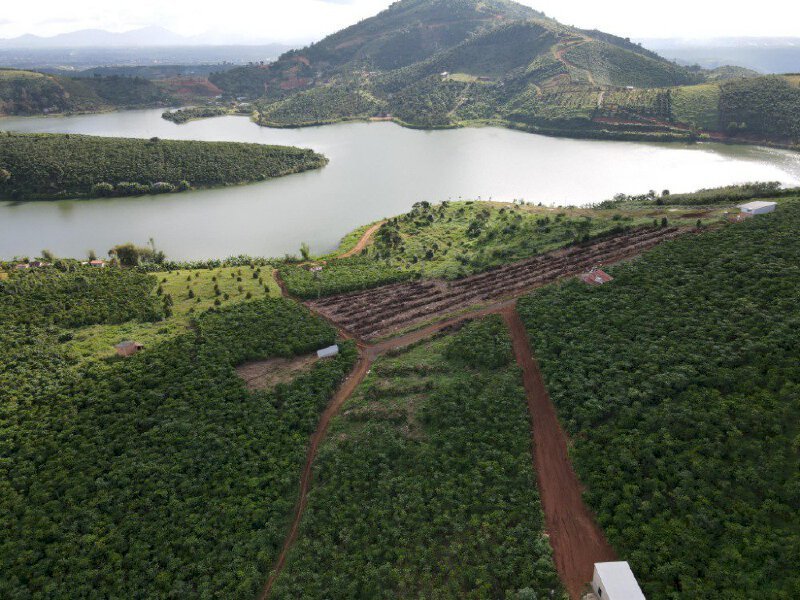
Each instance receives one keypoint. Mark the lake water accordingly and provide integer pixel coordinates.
(376, 170)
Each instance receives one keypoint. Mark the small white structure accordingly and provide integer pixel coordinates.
(758, 208)
(329, 352)
(615, 581)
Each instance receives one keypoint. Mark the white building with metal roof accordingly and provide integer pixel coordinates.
(615, 581)
(758, 208)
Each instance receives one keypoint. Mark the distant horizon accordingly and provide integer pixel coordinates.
(32, 40)
(300, 22)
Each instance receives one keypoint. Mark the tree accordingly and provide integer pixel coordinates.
(48, 256)
(305, 251)
(92, 255)
(127, 254)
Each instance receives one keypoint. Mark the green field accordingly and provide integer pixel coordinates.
(424, 486)
(54, 166)
(191, 291)
(679, 386)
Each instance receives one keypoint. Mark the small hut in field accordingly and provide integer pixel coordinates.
(128, 348)
(596, 277)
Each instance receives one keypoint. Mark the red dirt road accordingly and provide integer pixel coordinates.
(350, 384)
(362, 243)
(576, 538)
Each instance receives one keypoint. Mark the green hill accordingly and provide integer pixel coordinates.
(446, 63)
(31, 93)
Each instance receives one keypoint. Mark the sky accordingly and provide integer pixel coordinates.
(300, 21)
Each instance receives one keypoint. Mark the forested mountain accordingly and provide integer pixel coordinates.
(445, 63)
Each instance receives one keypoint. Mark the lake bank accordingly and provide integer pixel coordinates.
(376, 170)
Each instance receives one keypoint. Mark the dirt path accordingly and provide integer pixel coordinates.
(350, 384)
(577, 540)
(561, 49)
(362, 243)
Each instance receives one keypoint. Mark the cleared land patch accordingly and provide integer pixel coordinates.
(380, 311)
(266, 374)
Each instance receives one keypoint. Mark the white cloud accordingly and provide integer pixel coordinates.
(296, 20)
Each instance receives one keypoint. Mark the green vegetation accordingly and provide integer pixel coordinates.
(184, 115)
(612, 65)
(455, 239)
(338, 276)
(191, 292)
(424, 486)
(499, 62)
(154, 476)
(714, 197)
(74, 299)
(52, 166)
(679, 386)
(764, 106)
(697, 105)
(319, 106)
(30, 93)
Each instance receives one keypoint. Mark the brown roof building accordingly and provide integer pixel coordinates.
(596, 277)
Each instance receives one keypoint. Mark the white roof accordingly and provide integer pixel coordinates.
(328, 352)
(618, 580)
(757, 205)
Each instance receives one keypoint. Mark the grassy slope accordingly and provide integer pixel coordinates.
(424, 486)
(97, 341)
(455, 239)
(49, 166)
(679, 385)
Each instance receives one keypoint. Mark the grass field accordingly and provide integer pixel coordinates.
(98, 341)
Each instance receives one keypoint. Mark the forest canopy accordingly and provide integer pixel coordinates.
(53, 166)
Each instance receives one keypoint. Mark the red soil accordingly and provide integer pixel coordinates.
(577, 540)
(362, 243)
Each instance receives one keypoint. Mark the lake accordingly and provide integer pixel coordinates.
(376, 170)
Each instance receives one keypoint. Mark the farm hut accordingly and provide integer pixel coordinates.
(615, 581)
(596, 277)
(128, 348)
(22, 266)
(758, 208)
(97, 263)
(328, 352)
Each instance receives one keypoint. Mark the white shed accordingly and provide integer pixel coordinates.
(329, 352)
(615, 581)
(758, 208)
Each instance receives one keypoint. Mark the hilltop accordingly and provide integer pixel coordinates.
(448, 63)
